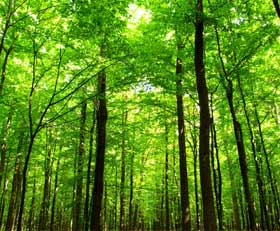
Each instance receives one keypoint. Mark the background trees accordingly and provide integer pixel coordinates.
(89, 95)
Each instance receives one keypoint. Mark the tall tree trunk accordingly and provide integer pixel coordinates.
(24, 182)
(4, 68)
(185, 205)
(217, 176)
(167, 213)
(242, 157)
(45, 205)
(3, 199)
(209, 218)
(8, 51)
(116, 199)
(15, 188)
(101, 118)
(91, 133)
(236, 216)
(52, 224)
(197, 213)
(122, 196)
(263, 207)
(131, 185)
(78, 220)
(30, 222)
(4, 147)
(270, 175)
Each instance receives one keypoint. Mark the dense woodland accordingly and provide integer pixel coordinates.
(139, 115)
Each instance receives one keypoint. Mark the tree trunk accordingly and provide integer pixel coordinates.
(263, 207)
(4, 147)
(91, 133)
(167, 213)
(217, 177)
(242, 157)
(122, 196)
(185, 206)
(15, 188)
(131, 185)
(236, 216)
(197, 213)
(30, 223)
(78, 219)
(52, 224)
(8, 51)
(24, 181)
(45, 205)
(209, 218)
(3, 199)
(101, 117)
(271, 178)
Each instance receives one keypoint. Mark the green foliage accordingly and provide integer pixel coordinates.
(57, 51)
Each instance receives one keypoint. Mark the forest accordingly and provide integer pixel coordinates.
(139, 115)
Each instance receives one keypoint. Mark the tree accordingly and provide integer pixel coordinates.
(209, 219)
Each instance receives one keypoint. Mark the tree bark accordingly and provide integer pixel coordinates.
(45, 205)
(185, 206)
(78, 219)
(270, 175)
(52, 224)
(15, 188)
(131, 185)
(4, 147)
(101, 117)
(91, 133)
(209, 218)
(122, 196)
(167, 213)
(263, 206)
(236, 216)
(242, 157)
(30, 223)
(217, 176)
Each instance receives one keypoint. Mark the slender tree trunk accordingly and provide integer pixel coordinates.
(217, 176)
(116, 199)
(15, 188)
(264, 215)
(209, 218)
(8, 51)
(3, 199)
(52, 224)
(44, 212)
(4, 68)
(30, 223)
(24, 181)
(91, 133)
(242, 158)
(167, 213)
(101, 117)
(74, 187)
(185, 206)
(197, 213)
(78, 220)
(271, 178)
(4, 147)
(131, 185)
(122, 196)
(6, 27)
(236, 216)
